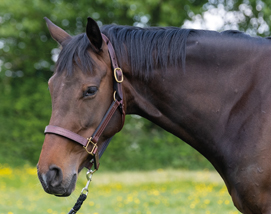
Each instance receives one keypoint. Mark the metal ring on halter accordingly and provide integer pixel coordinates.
(114, 95)
(115, 75)
(94, 149)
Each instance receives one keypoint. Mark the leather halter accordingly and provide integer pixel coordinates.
(90, 144)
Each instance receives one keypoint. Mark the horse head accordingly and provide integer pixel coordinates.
(81, 89)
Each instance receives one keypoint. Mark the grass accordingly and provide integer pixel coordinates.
(152, 192)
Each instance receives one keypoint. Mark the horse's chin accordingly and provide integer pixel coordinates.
(64, 195)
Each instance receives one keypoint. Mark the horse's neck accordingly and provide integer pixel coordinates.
(175, 99)
(193, 105)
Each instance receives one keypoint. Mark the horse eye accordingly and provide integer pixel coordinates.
(90, 91)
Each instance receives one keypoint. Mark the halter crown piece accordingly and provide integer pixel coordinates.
(90, 144)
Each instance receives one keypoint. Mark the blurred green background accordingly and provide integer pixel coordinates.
(27, 55)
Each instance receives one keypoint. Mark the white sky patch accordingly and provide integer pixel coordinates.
(213, 19)
(55, 53)
(218, 19)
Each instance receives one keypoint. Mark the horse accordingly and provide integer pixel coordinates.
(210, 89)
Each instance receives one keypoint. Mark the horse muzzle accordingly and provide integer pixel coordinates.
(53, 183)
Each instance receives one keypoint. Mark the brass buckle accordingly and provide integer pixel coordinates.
(95, 147)
(115, 75)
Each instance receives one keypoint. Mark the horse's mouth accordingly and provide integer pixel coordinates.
(60, 190)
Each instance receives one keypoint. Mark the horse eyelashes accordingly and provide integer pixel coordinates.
(90, 91)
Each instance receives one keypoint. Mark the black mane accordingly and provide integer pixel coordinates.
(145, 49)
(75, 51)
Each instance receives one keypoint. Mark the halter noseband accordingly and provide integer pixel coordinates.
(90, 144)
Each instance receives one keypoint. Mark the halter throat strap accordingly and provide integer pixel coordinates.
(91, 143)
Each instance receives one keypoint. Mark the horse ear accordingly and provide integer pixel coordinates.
(94, 34)
(56, 32)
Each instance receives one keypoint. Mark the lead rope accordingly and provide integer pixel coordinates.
(83, 194)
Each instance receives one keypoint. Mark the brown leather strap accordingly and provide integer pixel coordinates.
(111, 51)
(96, 135)
(50, 129)
(116, 69)
(65, 133)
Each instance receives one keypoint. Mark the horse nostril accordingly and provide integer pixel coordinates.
(54, 176)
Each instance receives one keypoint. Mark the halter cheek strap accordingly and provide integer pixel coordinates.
(90, 144)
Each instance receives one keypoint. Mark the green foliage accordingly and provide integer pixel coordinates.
(26, 51)
(143, 145)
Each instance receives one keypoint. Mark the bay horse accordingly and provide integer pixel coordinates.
(210, 89)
